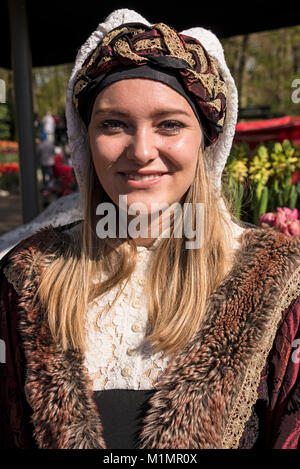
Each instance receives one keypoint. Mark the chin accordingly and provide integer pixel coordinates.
(147, 207)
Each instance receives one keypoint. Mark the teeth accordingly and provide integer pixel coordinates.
(143, 178)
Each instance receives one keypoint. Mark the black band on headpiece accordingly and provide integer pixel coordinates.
(87, 97)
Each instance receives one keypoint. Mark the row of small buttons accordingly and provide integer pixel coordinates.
(136, 327)
(127, 371)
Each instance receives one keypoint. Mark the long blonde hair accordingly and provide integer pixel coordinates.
(179, 280)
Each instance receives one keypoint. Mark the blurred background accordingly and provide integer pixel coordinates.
(262, 50)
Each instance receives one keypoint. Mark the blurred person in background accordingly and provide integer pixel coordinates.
(45, 153)
(48, 126)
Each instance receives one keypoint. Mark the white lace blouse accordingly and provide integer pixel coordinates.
(116, 357)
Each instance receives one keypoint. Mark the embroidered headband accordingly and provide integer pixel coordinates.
(161, 53)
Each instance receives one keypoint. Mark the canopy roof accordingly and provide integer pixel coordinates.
(58, 28)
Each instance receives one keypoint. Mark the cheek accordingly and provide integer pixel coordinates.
(184, 152)
(104, 152)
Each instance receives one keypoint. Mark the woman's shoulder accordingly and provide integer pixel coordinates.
(273, 258)
(271, 242)
(35, 250)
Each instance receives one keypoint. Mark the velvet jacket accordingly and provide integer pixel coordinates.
(235, 385)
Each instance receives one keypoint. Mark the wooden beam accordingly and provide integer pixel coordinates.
(22, 71)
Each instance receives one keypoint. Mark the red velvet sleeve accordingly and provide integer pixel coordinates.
(283, 412)
(16, 430)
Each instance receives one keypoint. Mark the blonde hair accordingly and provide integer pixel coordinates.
(191, 275)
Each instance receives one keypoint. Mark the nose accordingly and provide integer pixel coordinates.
(142, 148)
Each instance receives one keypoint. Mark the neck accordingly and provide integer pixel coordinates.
(151, 229)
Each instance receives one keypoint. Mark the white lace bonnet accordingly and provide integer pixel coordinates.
(216, 154)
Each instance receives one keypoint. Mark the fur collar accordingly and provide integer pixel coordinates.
(205, 395)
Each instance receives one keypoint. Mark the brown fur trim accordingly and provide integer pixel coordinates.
(57, 385)
(199, 388)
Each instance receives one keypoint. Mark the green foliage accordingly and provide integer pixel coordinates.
(267, 173)
(264, 68)
(236, 174)
(50, 85)
(9, 157)
(4, 122)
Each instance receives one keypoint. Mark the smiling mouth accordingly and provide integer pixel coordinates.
(146, 177)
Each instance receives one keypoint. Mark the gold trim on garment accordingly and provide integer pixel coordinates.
(247, 395)
(14, 277)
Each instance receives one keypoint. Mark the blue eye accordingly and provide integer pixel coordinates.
(171, 125)
(112, 125)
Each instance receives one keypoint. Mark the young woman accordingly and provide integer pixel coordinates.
(158, 320)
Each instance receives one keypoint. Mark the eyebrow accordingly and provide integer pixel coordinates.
(159, 113)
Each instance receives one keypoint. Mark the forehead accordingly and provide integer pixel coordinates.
(135, 93)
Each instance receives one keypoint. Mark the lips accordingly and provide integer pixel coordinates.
(142, 180)
(143, 173)
(144, 177)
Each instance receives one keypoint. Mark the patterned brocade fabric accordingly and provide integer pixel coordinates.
(16, 430)
(275, 418)
(163, 47)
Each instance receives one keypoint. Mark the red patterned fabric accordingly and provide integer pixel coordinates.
(283, 416)
(275, 419)
(16, 430)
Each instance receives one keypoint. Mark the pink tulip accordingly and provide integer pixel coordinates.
(285, 220)
(294, 227)
(280, 218)
(284, 229)
(268, 218)
(288, 213)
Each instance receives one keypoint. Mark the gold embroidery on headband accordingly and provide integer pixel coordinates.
(155, 43)
(216, 104)
(220, 87)
(211, 83)
(221, 121)
(123, 49)
(79, 85)
(207, 80)
(202, 58)
(171, 45)
(93, 57)
(214, 66)
(106, 41)
(174, 44)
(110, 36)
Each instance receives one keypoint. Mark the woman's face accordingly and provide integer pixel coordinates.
(145, 140)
